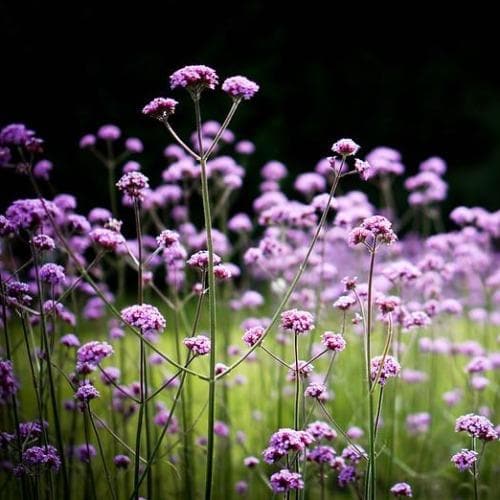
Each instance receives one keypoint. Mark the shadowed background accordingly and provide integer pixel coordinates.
(424, 93)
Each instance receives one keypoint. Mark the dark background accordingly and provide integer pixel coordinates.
(411, 85)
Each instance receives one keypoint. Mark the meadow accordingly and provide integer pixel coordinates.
(319, 346)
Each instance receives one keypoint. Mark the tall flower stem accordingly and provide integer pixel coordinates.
(475, 472)
(296, 416)
(211, 302)
(370, 492)
(143, 417)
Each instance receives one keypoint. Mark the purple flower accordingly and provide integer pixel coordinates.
(167, 238)
(134, 145)
(195, 77)
(9, 384)
(87, 141)
(363, 168)
(109, 133)
(344, 302)
(333, 341)
(296, 321)
(345, 147)
(321, 430)
(146, 318)
(85, 453)
(284, 481)
(70, 340)
(160, 108)
(133, 184)
(401, 490)
(418, 423)
(373, 230)
(43, 242)
(110, 375)
(240, 223)
(316, 391)
(107, 239)
(42, 169)
(89, 355)
(52, 274)
(199, 345)
(121, 461)
(253, 335)
(347, 476)
(464, 459)
(353, 453)
(240, 87)
(284, 441)
(476, 426)
(15, 134)
(41, 457)
(250, 461)
(221, 429)
(200, 260)
(322, 455)
(86, 392)
(390, 368)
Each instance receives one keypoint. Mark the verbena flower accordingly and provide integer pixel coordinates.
(160, 108)
(476, 426)
(198, 345)
(133, 185)
(285, 481)
(145, 317)
(333, 341)
(401, 490)
(296, 321)
(345, 147)
(240, 87)
(195, 77)
(464, 459)
(390, 368)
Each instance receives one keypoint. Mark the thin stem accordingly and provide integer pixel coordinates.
(211, 304)
(223, 127)
(296, 419)
(276, 358)
(101, 452)
(370, 492)
(475, 473)
(180, 141)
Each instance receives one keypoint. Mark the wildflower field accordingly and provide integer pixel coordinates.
(166, 345)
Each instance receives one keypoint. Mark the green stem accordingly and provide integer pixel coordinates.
(475, 473)
(370, 492)
(101, 452)
(296, 419)
(211, 304)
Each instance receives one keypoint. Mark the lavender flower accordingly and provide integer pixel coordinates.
(333, 341)
(239, 87)
(146, 318)
(43, 242)
(347, 476)
(52, 274)
(195, 78)
(390, 368)
(39, 458)
(285, 481)
(86, 392)
(401, 490)
(345, 147)
(160, 108)
(199, 345)
(133, 185)
(253, 335)
(296, 321)
(464, 459)
(9, 384)
(476, 426)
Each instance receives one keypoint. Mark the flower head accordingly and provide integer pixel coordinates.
(145, 317)
(240, 87)
(390, 368)
(38, 458)
(253, 335)
(373, 230)
(345, 147)
(195, 77)
(401, 490)
(160, 108)
(476, 426)
(464, 459)
(198, 345)
(333, 341)
(297, 321)
(284, 481)
(86, 392)
(133, 184)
